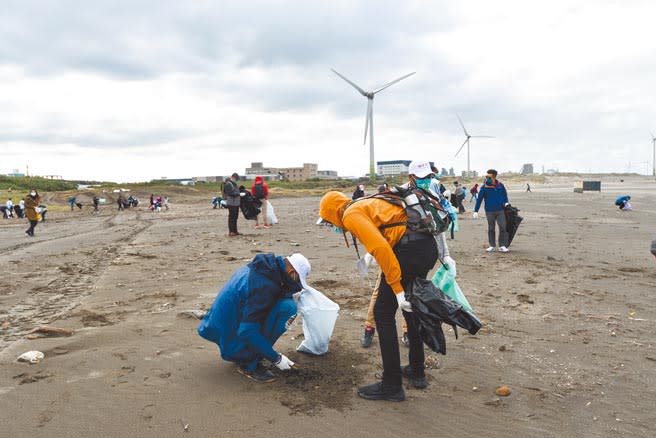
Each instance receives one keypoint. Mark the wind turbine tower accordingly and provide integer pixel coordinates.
(466, 142)
(369, 122)
(653, 163)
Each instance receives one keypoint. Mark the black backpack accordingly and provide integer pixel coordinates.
(425, 214)
(258, 191)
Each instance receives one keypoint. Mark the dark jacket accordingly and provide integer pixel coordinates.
(234, 322)
(495, 197)
(231, 191)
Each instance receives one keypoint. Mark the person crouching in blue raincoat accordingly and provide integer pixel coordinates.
(253, 309)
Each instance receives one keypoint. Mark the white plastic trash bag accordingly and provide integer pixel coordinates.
(271, 215)
(319, 316)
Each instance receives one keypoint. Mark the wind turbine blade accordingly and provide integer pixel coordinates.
(481, 136)
(463, 125)
(463, 145)
(389, 84)
(652, 136)
(366, 124)
(364, 93)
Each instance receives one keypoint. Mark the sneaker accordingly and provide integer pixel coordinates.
(415, 382)
(367, 337)
(404, 339)
(503, 249)
(256, 226)
(378, 392)
(267, 226)
(260, 374)
(491, 249)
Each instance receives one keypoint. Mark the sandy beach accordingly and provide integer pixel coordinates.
(569, 316)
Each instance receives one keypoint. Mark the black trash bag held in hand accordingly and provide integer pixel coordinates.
(431, 307)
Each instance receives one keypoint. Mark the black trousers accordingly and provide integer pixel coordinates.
(233, 215)
(30, 230)
(416, 258)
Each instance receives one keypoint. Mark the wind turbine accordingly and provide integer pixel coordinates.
(466, 142)
(653, 164)
(369, 122)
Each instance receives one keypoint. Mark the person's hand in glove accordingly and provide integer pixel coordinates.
(283, 363)
(403, 303)
(475, 216)
(451, 264)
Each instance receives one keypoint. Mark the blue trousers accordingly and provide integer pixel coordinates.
(277, 323)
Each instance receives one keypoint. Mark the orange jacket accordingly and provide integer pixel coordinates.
(363, 218)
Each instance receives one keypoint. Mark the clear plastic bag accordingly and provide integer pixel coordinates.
(319, 317)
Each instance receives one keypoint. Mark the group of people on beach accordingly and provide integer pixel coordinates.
(256, 306)
(253, 203)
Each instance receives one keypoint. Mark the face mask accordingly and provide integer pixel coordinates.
(488, 181)
(32, 193)
(423, 183)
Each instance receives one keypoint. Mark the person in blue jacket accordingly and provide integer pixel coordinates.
(493, 192)
(253, 309)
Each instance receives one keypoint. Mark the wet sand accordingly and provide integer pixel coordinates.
(569, 319)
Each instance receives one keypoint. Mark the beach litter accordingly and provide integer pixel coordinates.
(31, 357)
(49, 332)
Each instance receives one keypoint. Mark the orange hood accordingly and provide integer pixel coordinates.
(332, 207)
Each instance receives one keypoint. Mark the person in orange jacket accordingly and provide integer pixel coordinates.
(402, 256)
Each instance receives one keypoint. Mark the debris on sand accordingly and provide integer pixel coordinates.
(503, 391)
(49, 332)
(31, 357)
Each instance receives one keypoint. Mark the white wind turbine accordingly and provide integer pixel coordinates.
(369, 123)
(653, 163)
(466, 142)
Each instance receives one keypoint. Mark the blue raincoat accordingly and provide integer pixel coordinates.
(240, 309)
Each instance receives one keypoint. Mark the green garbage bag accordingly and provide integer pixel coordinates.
(446, 281)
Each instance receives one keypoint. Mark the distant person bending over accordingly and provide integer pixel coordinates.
(474, 193)
(495, 196)
(359, 192)
(32, 201)
(528, 187)
(71, 202)
(253, 309)
(260, 190)
(233, 199)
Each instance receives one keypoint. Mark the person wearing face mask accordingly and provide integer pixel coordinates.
(32, 201)
(402, 255)
(493, 192)
(253, 309)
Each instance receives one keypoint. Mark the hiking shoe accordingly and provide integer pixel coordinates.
(367, 337)
(260, 374)
(415, 382)
(404, 339)
(377, 391)
(491, 249)
(503, 249)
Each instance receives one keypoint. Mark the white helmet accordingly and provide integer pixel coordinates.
(420, 169)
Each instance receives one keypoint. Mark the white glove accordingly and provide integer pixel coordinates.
(506, 204)
(475, 215)
(451, 265)
(283, 363)
(242, 194)
(403, 303)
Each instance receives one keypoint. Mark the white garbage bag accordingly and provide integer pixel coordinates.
(271, 215)
(319, 316)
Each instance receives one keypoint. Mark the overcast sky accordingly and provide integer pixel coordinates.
(135, 90)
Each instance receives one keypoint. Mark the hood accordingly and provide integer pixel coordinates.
(259, 180)
(273, 267)
(332, 206)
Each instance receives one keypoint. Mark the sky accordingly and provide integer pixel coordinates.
(134, 90)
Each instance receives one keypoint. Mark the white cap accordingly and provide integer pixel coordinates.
(420, 169)
(301, 266)
(447, 194)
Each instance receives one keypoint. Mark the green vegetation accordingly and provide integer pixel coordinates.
(25, 183)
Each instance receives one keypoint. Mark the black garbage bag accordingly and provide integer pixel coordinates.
(431, 307)
(513, 220)
(249, 205)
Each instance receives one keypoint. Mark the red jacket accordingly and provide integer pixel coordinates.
(260, 180)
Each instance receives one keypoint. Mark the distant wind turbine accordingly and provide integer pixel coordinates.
(466, 142)
(653, 164)
(369, 122)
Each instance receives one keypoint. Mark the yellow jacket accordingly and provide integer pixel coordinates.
(30, 206)
(363, 218)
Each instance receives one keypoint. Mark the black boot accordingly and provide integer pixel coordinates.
(378, 391)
